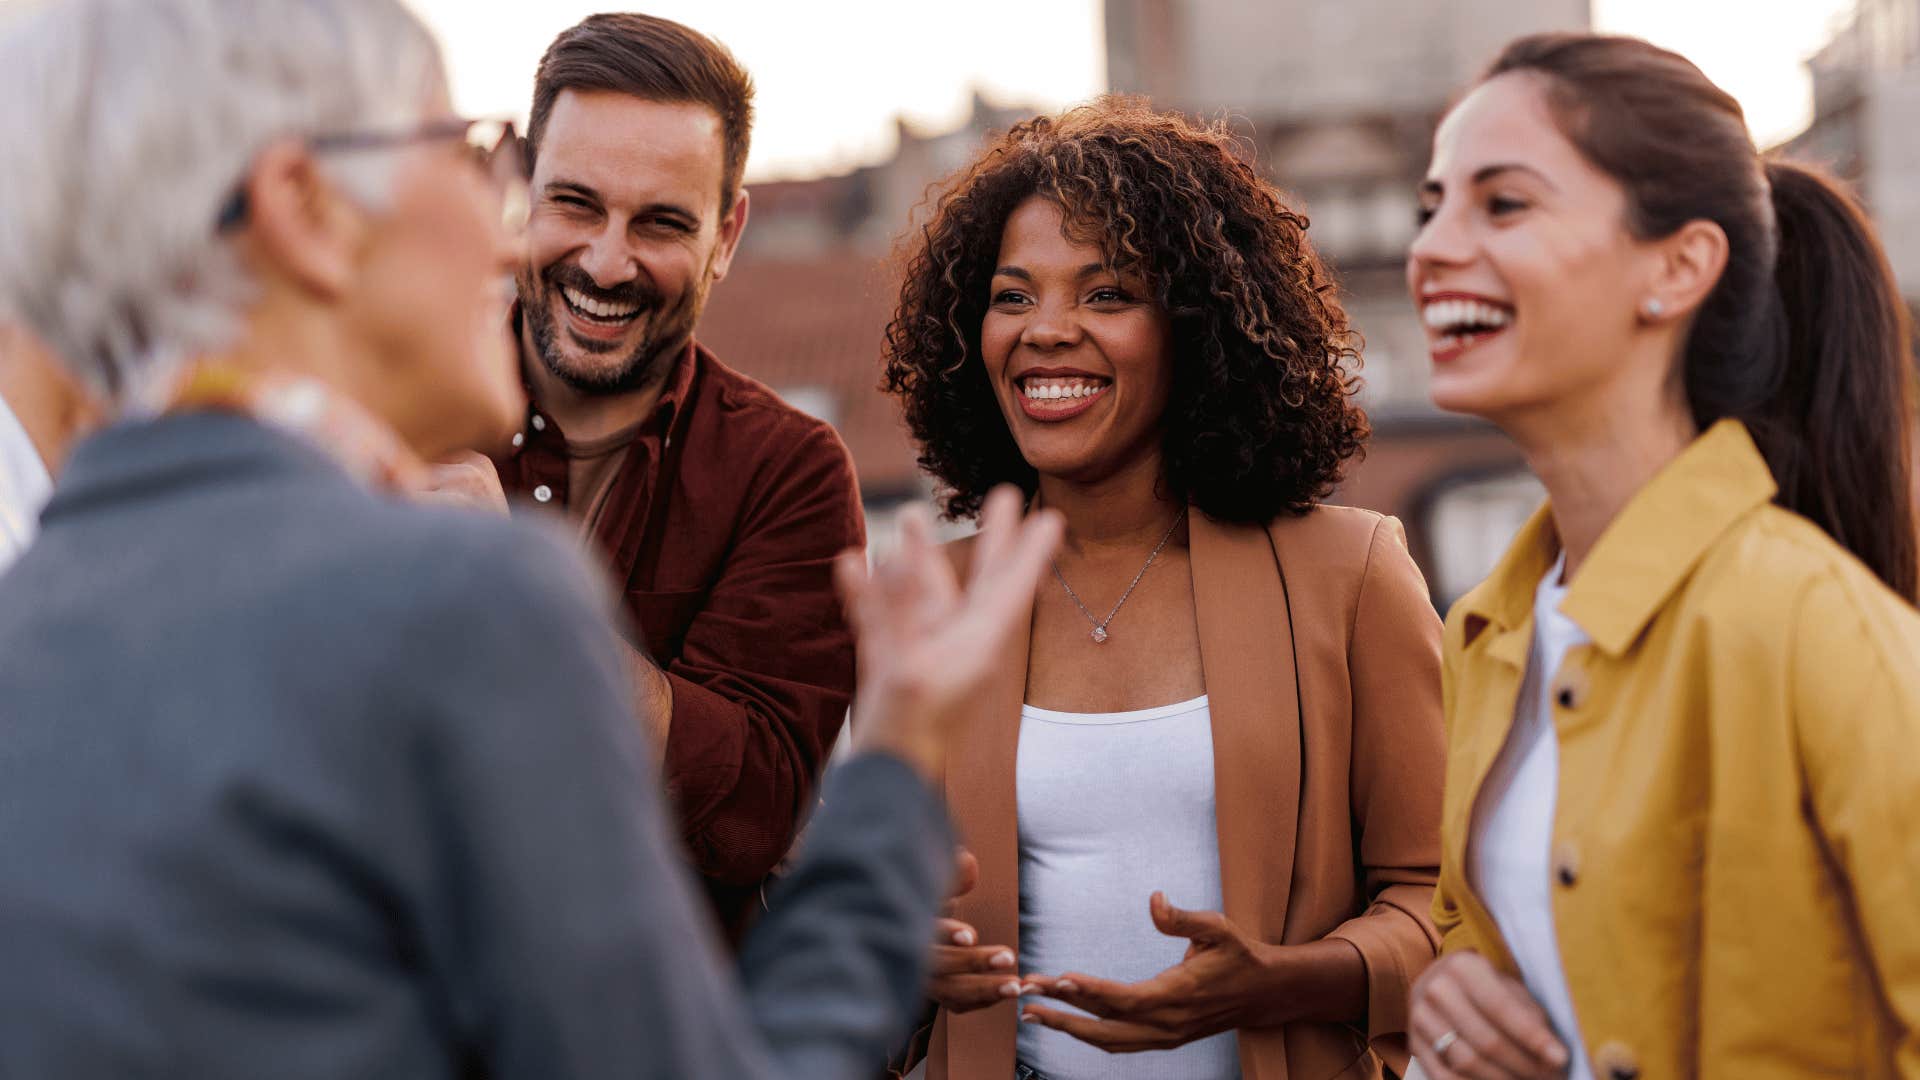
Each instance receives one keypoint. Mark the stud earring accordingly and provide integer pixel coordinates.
(1653, 307)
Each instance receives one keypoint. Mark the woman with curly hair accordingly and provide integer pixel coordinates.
(1229, 697)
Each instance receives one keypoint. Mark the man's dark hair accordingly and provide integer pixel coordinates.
(653, 59)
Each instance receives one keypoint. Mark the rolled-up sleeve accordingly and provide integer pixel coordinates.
(1398, 753)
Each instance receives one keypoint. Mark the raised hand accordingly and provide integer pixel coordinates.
(927, 645)
(467, 479)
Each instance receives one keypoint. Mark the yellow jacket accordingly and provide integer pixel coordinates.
(1736, 852)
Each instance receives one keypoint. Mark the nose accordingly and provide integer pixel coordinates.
(608, 259)
(1441, 242)
(1052, 326)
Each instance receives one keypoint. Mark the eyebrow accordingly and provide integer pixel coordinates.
(1489, 172)
(1084, 272)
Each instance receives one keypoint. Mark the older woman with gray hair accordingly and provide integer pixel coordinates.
(299, 778)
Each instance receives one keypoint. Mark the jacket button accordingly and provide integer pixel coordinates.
(543, 493)
(1566, 865)
(1617, 1062)
(1570, 689)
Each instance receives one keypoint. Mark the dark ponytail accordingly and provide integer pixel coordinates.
(1805, 338)
(1837, 431)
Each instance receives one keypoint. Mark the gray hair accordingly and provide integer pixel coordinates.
(128, 125)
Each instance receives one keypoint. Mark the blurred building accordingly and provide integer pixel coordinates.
(1338, 99)
(1340, 102)
(1866, 107)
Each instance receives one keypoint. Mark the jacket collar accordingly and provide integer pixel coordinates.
(1644, 555)
(144, 459)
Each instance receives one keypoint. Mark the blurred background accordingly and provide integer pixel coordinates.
(863, 104)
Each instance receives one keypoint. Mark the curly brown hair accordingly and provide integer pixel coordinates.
(1261, 420)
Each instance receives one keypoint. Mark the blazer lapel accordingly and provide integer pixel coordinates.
(1246, 652)
(982, 798)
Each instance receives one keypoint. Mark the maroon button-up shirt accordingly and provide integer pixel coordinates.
(721, 528)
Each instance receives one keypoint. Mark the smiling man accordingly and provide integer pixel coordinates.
(719, 506)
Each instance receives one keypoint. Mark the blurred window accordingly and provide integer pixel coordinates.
(1469, 521)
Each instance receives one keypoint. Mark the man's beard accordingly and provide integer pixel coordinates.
(665, 329)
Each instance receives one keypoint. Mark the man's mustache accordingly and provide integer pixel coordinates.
(637, 291)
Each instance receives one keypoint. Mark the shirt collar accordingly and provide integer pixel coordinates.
(1644, 555)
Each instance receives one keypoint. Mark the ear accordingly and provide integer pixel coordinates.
(300, 228)
(1688, 266)
(730, 230)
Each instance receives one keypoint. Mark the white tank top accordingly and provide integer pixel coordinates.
(1113, 806)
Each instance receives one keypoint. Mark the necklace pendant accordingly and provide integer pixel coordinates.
(1099, 635)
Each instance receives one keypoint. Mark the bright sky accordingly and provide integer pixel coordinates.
(832, 74)
(1752, 48)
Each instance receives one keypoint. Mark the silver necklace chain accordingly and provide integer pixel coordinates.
(1100, 625)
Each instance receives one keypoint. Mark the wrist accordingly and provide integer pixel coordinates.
(1279, 983)
(1321, 981)
(896, 731)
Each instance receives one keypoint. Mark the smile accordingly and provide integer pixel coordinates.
(1053, 398)
(1457, 323)
(599, 312)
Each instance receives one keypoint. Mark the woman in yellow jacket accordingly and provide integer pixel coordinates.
(1681, 833)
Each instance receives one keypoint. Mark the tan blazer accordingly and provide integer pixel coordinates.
(1327, 770)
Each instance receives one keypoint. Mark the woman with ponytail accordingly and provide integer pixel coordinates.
(1682, 823)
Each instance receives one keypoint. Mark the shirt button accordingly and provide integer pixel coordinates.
(539, 422)
(543, 493)
(1616, 1061)
(1566, 865)
(519, 439)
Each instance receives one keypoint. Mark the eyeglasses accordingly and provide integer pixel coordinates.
(493, 146)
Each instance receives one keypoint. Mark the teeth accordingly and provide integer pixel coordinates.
(598, 308)
(1457, 314)
(1059, 389)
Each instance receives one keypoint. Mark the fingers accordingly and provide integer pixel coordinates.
(1476, 1052)
(1208, 926)
(966, 874)
(1499, 1032)
(965, 993)
(1512, 1011)
(975, 960)
(954, 932)
(999, 521)
(850, 579)
(920, 558)
(1001, 594)
(1102, 997)
(1114, 1036)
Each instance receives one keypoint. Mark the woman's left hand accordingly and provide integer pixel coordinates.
(1227, 980)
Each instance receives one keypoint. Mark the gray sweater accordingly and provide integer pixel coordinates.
(300, 782)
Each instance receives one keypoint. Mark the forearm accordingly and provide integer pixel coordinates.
(834, 972)
(742, 780)
(652, 701)
(1321, 982)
